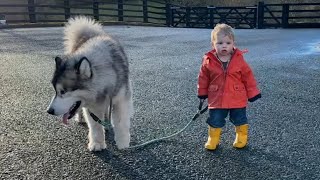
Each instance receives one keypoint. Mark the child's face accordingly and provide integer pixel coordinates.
(223, 45)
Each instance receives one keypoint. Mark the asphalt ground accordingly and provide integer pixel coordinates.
(164, 62)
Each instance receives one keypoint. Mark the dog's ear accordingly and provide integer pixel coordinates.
(83, 68)
(58, 61)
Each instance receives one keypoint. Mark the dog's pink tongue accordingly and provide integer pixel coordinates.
(65, 118)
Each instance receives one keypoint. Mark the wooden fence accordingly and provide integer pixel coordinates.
(35, 11)
(291, 15)
(157, 12)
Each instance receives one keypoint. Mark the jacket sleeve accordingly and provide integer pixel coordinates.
(203, 78)
(249, 81)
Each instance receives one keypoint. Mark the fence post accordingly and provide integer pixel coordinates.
(145, 10)
(260, 15)
(211, 16)
(120, 10)
(95, 8)
(255, 19)
(285, 15)
(31, 11)
(188, 16)
(168, 14)
(173, 11)
(66, 9)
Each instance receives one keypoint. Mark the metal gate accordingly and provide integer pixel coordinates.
(291, 15)
(208, 17)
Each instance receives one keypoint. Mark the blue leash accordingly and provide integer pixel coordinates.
(199, 112)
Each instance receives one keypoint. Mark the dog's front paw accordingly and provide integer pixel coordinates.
(96, 146)
(122, 141)
(122, 145)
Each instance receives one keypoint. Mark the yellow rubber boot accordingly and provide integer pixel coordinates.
(213, 138)
(241, 136)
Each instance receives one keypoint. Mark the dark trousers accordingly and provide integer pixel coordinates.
(238, 116)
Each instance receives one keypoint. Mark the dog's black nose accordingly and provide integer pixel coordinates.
(50, 111)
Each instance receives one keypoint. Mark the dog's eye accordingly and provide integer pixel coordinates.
(62, 92)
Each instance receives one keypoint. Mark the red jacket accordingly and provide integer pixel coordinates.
(230, 88)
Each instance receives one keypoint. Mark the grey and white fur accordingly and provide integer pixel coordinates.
(93, 69)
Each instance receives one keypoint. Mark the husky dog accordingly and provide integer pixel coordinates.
(92, 73)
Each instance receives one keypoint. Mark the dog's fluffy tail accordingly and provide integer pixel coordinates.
(78, 30)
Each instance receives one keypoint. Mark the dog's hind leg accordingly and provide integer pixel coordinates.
(122, 110)
(96, 134)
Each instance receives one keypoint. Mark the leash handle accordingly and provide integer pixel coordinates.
(200, 111)
(201, 104)
(204, 110)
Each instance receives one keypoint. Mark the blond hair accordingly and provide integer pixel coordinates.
(222, 29)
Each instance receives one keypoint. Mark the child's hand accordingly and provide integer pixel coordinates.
(203, 97)
(255, 98)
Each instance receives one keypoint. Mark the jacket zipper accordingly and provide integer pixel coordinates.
(225, 75)
(224, 81)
